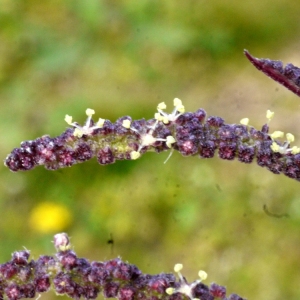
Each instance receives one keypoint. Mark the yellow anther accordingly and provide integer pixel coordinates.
(178, 105)
(290, 137)
(178, 268)
(78, 132)
(170, 140)
(177, 102)
(100, 123)
(245, 121)
(295, 150)
(135, 155)
(269, 115)
(126, 123)
(162, 105)
(68, 119)
(170, 291)
(89, 112)
(277, 134)
(202, 274)
(158, 117)
(275, 147)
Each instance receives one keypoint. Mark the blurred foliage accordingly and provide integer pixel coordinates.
(122, 58)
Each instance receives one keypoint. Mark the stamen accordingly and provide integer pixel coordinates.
(135, 155)
(269, 115)
(126, 123)
(277, 134)
(290, 137)
(185, 288)
(245, 121)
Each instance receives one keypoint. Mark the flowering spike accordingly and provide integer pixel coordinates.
(75, 277)
(188, 133)
(288, 76)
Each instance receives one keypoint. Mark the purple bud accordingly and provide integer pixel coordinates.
(201, 291)
(200, 114)
(110, 290)
(235, 297)
(63, 283)
(188, 147)
(264, 154)
(227, 150)
(217, 291)
(42, 283)
(27, 290)
(226, 133)
(126, 293)
(68, 259)
(83, 152)
(8, 270)
(20, 257)
(292, 170)
(215, 121)
(13, 292)
(158, 284)
(105, 156)
(246, 154)
(62, 242)
(207, 149)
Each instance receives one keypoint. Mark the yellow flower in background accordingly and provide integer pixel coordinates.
(48, 217)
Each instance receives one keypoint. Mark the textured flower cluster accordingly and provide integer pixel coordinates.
(75, 277)
(188, 133)
(288, 76)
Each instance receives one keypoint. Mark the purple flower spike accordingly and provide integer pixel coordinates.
(288, 76)
(189, 133)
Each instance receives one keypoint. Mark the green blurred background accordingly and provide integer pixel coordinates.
(123, 58)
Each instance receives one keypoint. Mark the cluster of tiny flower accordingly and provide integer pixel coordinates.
(77, 277)
(188, 133)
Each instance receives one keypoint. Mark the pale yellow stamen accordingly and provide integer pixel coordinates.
(100, 123)
(170, 140)
(202, 274)
(135, 155)
(185, 288)
(162, 105)
(178, 268)
(269, 115)
(170, 291)
(277, 134)
(78, 132)
(245, 121)
(275, 147)
(178, 105)
(290, 137)
(89, 112)
(295, 150)
(68, 119)
(126, 123)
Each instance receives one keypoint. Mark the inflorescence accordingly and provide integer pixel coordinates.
(191, 134)
(67, 274)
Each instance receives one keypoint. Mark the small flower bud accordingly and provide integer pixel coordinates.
(62, 242)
